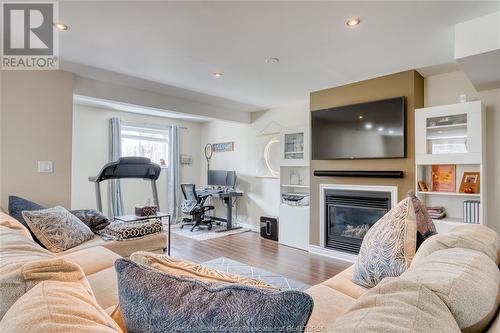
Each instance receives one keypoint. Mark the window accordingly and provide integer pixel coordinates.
(145, 141)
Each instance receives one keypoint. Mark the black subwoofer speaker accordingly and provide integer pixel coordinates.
(269, 227)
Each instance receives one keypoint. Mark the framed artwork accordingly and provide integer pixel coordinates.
(470, 182)
(443, 178)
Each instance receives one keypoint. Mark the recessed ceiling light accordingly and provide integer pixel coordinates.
(61, 26)
(360, 117)
(368, 125)
(218, 74)
(352, 22)
(272, 60)
(391, 132)
(380, 129)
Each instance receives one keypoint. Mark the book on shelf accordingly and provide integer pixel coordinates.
(471, 211)
(437, 212)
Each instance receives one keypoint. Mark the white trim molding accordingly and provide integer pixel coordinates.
(393, 190)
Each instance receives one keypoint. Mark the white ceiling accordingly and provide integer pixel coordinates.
(182, 43)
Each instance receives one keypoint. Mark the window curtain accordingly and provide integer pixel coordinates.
(115, 201)
(173, 187)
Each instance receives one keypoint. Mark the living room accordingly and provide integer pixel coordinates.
(328, 164)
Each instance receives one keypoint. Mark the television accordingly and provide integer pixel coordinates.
(360, 131)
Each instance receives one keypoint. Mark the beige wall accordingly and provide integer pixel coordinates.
(262, 195)
(409, 84)
(445, 89)
(36, 125)
(91, 152)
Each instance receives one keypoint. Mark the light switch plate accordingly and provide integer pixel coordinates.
(45, 167)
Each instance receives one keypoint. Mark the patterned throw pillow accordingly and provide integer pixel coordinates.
(156, 302)
(119, 230)
(425, 226)
(57, 228)
(92, 218)
(388, 247)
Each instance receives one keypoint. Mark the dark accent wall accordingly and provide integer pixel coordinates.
(409, 84)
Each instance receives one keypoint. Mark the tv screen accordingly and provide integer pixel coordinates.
(367, 130)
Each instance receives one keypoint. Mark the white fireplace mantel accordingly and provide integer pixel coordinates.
(393, 190)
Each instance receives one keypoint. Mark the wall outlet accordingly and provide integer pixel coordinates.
(45, 167)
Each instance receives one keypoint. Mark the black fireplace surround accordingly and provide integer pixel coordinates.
(349, 214)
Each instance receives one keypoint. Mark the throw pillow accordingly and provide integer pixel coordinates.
(396, 305)
(119, 230)
(16, 207)
(475, 237)
(467, 281)
(185, 268)
(425, 226)
(58, 307)
(388, 247)
(57, 228)
(92, 218)
(153, 301)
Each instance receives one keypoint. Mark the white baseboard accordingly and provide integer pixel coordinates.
(314, 249)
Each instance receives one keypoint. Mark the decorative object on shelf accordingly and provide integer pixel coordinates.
(471, 211)
(470, 182)
(294, 178)
(186, 159)
(422, 186)
(437, 212)
(223, 146)
(443, 178)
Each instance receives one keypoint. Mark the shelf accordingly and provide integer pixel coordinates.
(447, 126)
(297, 186)
(450, 193)
(449, 220)
(294, 152)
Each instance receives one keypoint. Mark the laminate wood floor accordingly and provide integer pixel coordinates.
(251, 249)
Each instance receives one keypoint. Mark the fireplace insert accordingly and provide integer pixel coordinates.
(349, 216)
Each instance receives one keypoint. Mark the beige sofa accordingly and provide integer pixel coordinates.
(332, 298)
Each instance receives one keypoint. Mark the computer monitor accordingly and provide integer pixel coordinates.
(221, 178)
(216, 177)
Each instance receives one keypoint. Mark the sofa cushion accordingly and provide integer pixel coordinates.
(154, 301)
(343, 282)
(186, 268)
(93, 259)
(474, 237)
(105, 287)
(58, 307)
(425, 226)
(57, 228)
(467, 281)
(125, 248)
(13, 224)
(329, 305)
(396, 305)
(388, 247)
(16, 207)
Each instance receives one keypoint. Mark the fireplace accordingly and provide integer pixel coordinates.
(349, 212)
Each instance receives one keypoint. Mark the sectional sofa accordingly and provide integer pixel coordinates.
(339, 305)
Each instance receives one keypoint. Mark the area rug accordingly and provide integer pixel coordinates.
(201, 234)
(235, 267)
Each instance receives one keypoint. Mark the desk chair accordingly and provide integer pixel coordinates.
(194, 205)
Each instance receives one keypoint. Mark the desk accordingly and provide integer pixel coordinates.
(227, 196)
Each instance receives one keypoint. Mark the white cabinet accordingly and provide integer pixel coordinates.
(295, 146)
(451, 135)
(294, 226)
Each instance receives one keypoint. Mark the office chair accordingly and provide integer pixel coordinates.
(194, 205)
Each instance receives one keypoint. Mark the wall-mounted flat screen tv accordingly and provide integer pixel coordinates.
(367, 130)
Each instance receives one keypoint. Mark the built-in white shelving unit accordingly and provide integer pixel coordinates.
(451, 134)
(293, 227)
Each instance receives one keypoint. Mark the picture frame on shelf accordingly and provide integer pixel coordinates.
(444, 178)
(470, 183)
(422, 186)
